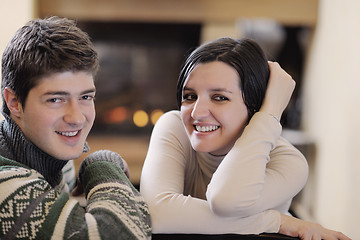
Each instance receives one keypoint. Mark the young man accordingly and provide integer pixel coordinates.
(48, 92)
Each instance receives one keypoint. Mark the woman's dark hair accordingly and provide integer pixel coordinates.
(43, 47)
(245, 56)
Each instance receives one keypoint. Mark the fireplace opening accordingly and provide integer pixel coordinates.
(139, 67)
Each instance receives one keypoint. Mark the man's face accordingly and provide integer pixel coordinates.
(59, 113)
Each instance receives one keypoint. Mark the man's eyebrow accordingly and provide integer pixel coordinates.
(64, 93)
(56, 93)
(92, 90)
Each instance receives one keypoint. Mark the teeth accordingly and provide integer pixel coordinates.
(206, 128)
(68, 134)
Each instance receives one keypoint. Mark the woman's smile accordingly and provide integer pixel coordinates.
(210, 128)
(213, 111)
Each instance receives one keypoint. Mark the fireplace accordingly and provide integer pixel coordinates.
(139, 66)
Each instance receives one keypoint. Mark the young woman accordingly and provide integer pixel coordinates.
(219, 165)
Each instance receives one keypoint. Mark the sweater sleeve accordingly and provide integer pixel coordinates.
(31, 209)
(262, 171)
(162, 185)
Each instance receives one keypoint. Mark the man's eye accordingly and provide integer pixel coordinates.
(54, 100)
(87, 97)
(189, 97)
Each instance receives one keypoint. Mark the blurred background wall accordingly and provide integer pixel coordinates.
(13, 14)
(323, 117)
(331, 115)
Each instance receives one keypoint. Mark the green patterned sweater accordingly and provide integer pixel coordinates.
(34, 203)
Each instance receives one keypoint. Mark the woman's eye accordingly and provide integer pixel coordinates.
(220, 98)
(189, 97)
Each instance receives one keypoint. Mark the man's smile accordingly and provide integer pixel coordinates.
(68, 133)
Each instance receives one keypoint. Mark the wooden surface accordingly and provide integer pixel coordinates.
(287, 12)
(264, 236)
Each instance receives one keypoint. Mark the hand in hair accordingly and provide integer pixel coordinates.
(278, 92)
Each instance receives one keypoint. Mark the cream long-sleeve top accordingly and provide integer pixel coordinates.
(243, 192)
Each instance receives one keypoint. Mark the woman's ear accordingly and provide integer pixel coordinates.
(12, 102)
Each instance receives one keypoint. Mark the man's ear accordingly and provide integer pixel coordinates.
(12, 102)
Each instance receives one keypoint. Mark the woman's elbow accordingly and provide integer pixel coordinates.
(220, 207)
(226, 206)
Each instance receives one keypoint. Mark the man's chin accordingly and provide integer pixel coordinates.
(68, 155)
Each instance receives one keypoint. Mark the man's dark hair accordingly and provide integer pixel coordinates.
(43, 47)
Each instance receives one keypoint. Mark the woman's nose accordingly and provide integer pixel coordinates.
(200, 109)
(73, 114)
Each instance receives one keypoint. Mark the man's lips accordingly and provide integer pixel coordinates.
(68, 133)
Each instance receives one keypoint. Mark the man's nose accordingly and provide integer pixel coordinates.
(73, 114)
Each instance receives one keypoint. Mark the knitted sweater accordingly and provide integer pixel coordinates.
(35, 204)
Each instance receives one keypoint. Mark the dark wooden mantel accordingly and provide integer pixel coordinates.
(286, 12)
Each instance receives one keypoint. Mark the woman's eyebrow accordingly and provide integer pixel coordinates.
(187, 89)
(221, 90)
(212, 89)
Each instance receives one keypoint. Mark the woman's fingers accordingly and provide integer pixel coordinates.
(279, 90)
(307, 230)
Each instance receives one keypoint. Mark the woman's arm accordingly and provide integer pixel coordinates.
(262, 171)
(162, 185)
(171, 212)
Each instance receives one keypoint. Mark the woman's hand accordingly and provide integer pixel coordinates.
(295, 227)
(278, 92)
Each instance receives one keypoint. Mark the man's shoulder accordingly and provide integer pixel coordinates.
(10, 169)
(9, 162)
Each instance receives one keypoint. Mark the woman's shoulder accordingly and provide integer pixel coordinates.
(169, 119)
(172, 114)
(169, 126)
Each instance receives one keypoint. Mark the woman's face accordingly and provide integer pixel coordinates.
(212, 110)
